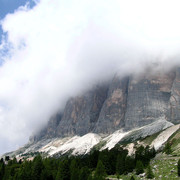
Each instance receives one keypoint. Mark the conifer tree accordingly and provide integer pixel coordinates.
(37, 167)
(58, 176)
(84, 173)
(90, 177)
(74, 170)
(139, 154)
(2, 169)
(63, 171)
(7, 158)
(167, 148)
(120, 165)
(105, 159)
(139, 167)
(100, 172)
(179, 167)
(129, 164)
(149, 173)
(132, 178)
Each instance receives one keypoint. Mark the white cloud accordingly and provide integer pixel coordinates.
(61, 48)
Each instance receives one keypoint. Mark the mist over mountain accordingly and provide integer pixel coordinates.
(126, 104)
(58, 50)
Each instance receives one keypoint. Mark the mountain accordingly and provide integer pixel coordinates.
(127, 103)
(155, 134)
(123, 110)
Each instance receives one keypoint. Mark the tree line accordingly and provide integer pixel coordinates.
(96, 165)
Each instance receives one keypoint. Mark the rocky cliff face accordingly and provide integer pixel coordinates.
(175, 99)
(82, 113)
(113, 111)
(125, 103)
(148, 99)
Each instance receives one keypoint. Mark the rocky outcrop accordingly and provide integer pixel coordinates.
(148, 99)
(50, 130)
(113, 110)
(81, 113)
(126, 103)
(175, 99)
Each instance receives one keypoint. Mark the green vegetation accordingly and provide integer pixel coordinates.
(100, 172)
(174, 142)
(149, 139)
(99, 145)
(179, 167)
(94, 166)
(149, 173)
(163, 167)
(139, 167)
(167, 148)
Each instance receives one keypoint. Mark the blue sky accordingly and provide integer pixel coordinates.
(8, 6)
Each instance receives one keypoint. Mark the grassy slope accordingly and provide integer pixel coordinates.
(164, 166)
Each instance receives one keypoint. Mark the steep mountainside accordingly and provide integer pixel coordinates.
(127, 103)
(155, 134)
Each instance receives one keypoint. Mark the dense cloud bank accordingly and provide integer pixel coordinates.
(59, 49)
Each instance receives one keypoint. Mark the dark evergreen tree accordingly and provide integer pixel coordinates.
(139, 167)
(90, 177)
(152, 152)
(93, 159)
(140, 153)
(37, 168)
(74, 170)
(120, 165)
(178, 166)
(104, 157)
(25, 171)
(129, 164)
(112, 158)
(58, 176)
(167, 148)
(100, 172)
(7, 158)
(75, 167)
(2, 169)
(149, 173)
(63, 171)
(132, 178)
(84, 173)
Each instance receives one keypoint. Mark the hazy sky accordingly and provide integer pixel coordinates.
(58, 49)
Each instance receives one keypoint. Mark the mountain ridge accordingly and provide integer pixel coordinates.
(128, 103)
(123, 110)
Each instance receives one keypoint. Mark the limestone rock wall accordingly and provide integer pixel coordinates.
(125, 103)
(175, 99)
(113, 110)
(148, 99)
(81, 113)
